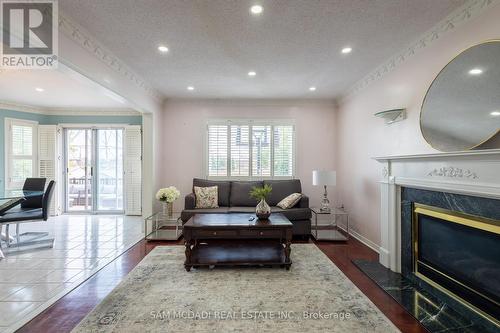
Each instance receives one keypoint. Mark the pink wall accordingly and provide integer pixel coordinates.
(184, 130)
(361, 136)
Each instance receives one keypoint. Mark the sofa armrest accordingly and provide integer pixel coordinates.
(303, 202)
(190, 201)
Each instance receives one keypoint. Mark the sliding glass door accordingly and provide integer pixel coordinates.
(109, 162)
(94, 170)
(79, 170)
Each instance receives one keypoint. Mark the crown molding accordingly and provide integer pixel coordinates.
(78, 34)
(91, 112)
(68, 111)
(21, 107)
(291, 102)
(458, 17)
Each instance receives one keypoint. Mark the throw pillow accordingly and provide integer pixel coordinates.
(289, 201)
(206, 197)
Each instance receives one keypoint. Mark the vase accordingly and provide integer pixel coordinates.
(168, 209)
(263, 211)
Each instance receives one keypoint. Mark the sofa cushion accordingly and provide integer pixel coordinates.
(206, 197)
(240, 209)
(220, 210)
(240, 193)
(290, 201)
(293, 214)
(188, 213)
(282, 189)
(224, 188)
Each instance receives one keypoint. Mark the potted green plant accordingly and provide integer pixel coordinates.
(263, 211)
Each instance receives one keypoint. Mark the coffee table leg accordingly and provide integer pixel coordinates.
(288, 249)
(187, 264)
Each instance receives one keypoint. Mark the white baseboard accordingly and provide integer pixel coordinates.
(384, 257)
(363, 239)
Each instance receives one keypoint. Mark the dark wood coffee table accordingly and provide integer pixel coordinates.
(232, 239)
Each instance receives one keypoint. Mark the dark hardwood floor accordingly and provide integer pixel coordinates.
(67, 312)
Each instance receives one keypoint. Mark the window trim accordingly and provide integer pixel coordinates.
(251, 122)
(9, 122)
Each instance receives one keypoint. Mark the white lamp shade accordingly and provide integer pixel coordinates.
(322, 178)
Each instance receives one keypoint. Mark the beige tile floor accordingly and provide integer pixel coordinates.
(32, 279)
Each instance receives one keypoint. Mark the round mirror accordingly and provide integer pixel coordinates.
(461, 110)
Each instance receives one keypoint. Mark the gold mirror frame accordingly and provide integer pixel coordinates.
(430, 86)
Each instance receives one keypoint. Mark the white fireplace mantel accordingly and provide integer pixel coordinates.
(475, 173)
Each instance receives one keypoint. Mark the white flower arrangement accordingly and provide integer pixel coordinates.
(169, 194)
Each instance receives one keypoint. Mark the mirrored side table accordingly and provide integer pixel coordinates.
(328, 225)
(162, 227)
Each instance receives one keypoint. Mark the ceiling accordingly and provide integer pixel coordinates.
(292, 45)
(62, 89)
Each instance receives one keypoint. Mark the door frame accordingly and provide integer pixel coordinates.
(94, 170)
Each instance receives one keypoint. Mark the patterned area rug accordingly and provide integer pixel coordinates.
(160, 296)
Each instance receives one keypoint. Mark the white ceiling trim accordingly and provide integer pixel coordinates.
(291, 102)
(85, 39)
(465, 13)
(69, 111)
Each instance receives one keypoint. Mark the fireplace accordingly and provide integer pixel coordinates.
(455, 264)
(459, 254)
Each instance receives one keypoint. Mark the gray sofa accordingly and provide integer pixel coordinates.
(234, 198)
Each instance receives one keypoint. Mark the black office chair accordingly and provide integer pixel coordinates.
(29, 214)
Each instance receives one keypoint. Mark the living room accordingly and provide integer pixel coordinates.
(216, 166)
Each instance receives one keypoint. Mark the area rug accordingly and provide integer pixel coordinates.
(160, 296)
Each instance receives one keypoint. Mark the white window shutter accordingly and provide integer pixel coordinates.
(47, 160)
(261, 151)
(283, 150)
(240, 150)
(133, 170)
(218, 150)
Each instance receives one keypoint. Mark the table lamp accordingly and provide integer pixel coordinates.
(324, 178)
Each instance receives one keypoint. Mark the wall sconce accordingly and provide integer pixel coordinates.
(392, 116)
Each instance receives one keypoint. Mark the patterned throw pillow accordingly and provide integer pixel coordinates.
(289, 201)
(206, 197)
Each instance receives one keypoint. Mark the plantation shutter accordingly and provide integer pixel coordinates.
(47, 160)
(283, 141)
(133, 170)
(240, 150)
(218, 150)
(21, 152)
(261, 151)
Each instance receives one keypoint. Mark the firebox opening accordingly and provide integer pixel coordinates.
(459, 254)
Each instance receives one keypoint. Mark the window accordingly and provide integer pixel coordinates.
(250, 149)
(21, 158)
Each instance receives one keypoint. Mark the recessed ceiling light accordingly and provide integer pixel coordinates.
(495, 113)
(346, 50)
(163, 48)
(190, 88)
(475, 71)
(312, 88)
(252, 73)
(40, 89)
(256, 9)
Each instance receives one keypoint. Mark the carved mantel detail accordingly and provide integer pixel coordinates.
(385, 172)
(453, 172)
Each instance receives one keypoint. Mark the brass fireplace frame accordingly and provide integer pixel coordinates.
(468, 220)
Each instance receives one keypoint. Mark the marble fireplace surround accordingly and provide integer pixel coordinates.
(474, 173)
